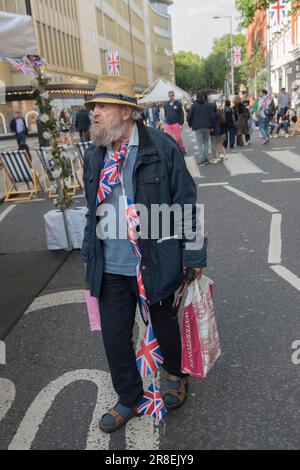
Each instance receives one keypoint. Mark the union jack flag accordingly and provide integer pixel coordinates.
(110, 175)
(279, 11)
(152, 403)
(149, 358)
(113, 62)
(237, 56)
(20, 66)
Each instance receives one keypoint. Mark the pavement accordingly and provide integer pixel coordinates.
(56, 384)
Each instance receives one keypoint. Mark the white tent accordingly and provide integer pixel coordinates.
(159, 92)
(17, 36)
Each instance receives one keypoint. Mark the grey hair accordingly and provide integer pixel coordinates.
(136, 114)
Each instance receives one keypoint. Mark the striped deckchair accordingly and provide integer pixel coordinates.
(82, 148)
(19, 171)
(47, 162)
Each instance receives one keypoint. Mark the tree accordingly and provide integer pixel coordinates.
(247, 8)
(189, 71)
(256, 70)
(218, 64)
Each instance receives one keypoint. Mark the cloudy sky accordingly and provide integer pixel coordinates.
(194, 28)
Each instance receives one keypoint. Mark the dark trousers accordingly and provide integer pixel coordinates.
(84, 136)
(118, 303)
(230, 138)
(21, 138)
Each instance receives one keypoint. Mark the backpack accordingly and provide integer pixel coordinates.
(269, 107)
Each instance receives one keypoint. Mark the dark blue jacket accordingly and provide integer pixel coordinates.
(201, 116)
(174, 113)
(160, 177)
(156, 114)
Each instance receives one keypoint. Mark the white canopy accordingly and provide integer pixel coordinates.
(159, 92)
(17, 36)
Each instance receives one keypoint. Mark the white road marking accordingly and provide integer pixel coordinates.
(255, 201)
(193, 167)
(284, 148)
(287, 158)
(288, 276)
(207, 185)
(6, 212)
(59, 298)
(275, 247)
(141, 433)
(238, 164)
(283, 180)
(7, 397)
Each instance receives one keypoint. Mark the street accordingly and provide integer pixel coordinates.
(55, 385)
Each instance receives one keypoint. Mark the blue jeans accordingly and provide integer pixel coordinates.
(21, 138)
(283, 125)
(264, 127)
(202, 136)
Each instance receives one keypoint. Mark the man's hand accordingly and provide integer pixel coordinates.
(193, 274)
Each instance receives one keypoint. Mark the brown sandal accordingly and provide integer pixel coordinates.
(119, 420)
(180, 394)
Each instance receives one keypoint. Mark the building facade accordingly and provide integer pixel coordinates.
(283, 44)
(73, 36)
(285, 57)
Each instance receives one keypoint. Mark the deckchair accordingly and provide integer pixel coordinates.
(48, 165)
(82, 148)
(19, 171)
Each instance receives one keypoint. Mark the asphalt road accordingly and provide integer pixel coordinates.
(56, 384)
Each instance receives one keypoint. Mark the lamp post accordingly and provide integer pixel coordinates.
(28, 7)
(231, 46)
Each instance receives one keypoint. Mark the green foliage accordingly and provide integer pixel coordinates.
(247, 9)
(189, 70)
(51, 127)
(194, 72)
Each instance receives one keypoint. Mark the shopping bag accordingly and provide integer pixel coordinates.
(200, 338)
(93, 311)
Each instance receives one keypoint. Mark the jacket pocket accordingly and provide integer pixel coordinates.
(169, 253)
(152, 185)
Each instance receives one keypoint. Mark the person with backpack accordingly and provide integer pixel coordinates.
(266, 110)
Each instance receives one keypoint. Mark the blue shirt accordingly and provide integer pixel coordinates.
(119, 257)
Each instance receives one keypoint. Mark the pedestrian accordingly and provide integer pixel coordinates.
(201, 120)
(241, 116)
(174, 116)
(230, 119)
(215, 134)
(18, 126)
(284, 102)
(64, 122)
(154, 172)
(266, 110)
(284, 123)
(83, 124)
(249, 125)
(152, 116)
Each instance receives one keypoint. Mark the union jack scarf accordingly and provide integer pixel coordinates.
(149, 358)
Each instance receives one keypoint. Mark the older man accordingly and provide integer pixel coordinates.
(132, 165)
(18, 127)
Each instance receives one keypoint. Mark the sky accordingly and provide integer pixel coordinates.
(194, 28)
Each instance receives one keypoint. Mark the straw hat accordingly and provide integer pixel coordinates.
(114, 90)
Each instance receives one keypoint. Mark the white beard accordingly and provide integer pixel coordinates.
(106, 137)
